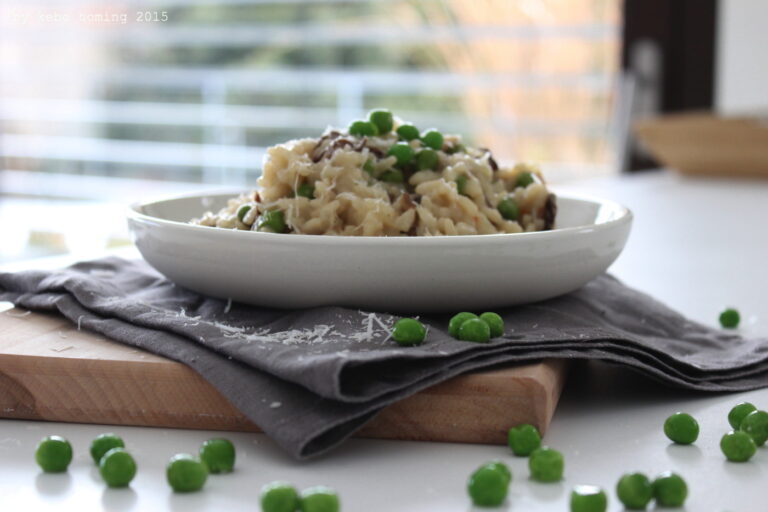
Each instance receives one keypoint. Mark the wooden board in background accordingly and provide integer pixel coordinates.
(705, 144)
(51, 371)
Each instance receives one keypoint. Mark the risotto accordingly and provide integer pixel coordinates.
(381, 177)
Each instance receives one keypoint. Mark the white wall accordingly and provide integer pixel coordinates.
(742, 56)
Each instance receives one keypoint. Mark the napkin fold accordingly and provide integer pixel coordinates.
(310, 378)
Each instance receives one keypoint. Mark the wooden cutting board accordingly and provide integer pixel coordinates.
(49, 370)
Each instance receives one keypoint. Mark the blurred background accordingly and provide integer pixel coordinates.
(104, 103)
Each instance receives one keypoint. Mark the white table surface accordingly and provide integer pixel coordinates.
(697, 245)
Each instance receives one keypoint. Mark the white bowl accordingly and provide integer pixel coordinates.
(419, 274)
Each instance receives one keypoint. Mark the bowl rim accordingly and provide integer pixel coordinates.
(135, 214)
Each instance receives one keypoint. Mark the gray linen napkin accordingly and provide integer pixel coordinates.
(310, 378)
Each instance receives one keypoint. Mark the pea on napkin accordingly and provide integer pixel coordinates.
(310, 378)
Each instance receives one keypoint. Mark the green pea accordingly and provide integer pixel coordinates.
(53, 454)
(279, 497)
(546, 465)
(455, 323)
(475, 330)
(738, 446)
(362, 128)
(402, 152)
(319, 499)
(508, 209)
(218, 454)
(588, 498)
(186, 473)
(306, 190)
(426, 159)
(756, 425)
(524, 179)
(243, 211)
(495, 322)
(461, 185)
(407, 132)
(488, 486)
(670, 490)
(392, 176)
(274, 220)
(408, 331)
(681, 428)
(103, 443)
(368, 166)
(730, 318)
(523, 439)
(433, 139)
(739, 412)
(117, 468)
(382, 119)
(634, 490)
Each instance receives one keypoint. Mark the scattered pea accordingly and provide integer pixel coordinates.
(739, 412)
(117, 467)
(274, 220)
(218, 454)
(738, 446)
(279, 497)
(408, 331)
(475, 330)
(455, 323)
(243, 211)
(756, 425)
(433, 139)
(588, 498)
(670, 490)
(461, 185)
(524, 179)
(407, 132)
(368, 166)
(402, 151)
(426, 159)
(681, 428)
(546, 464)
(730, 318)
(103, 443)
(523, 439)
(362, 128)
(392, 176)
(634, 490)
(306, 190)
(319, 499)
(488, 485)
(186, 473)
(53, 454)
(382, 119)
(495, 322)
(508, 209)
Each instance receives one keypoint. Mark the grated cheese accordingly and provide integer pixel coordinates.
(373, 328)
